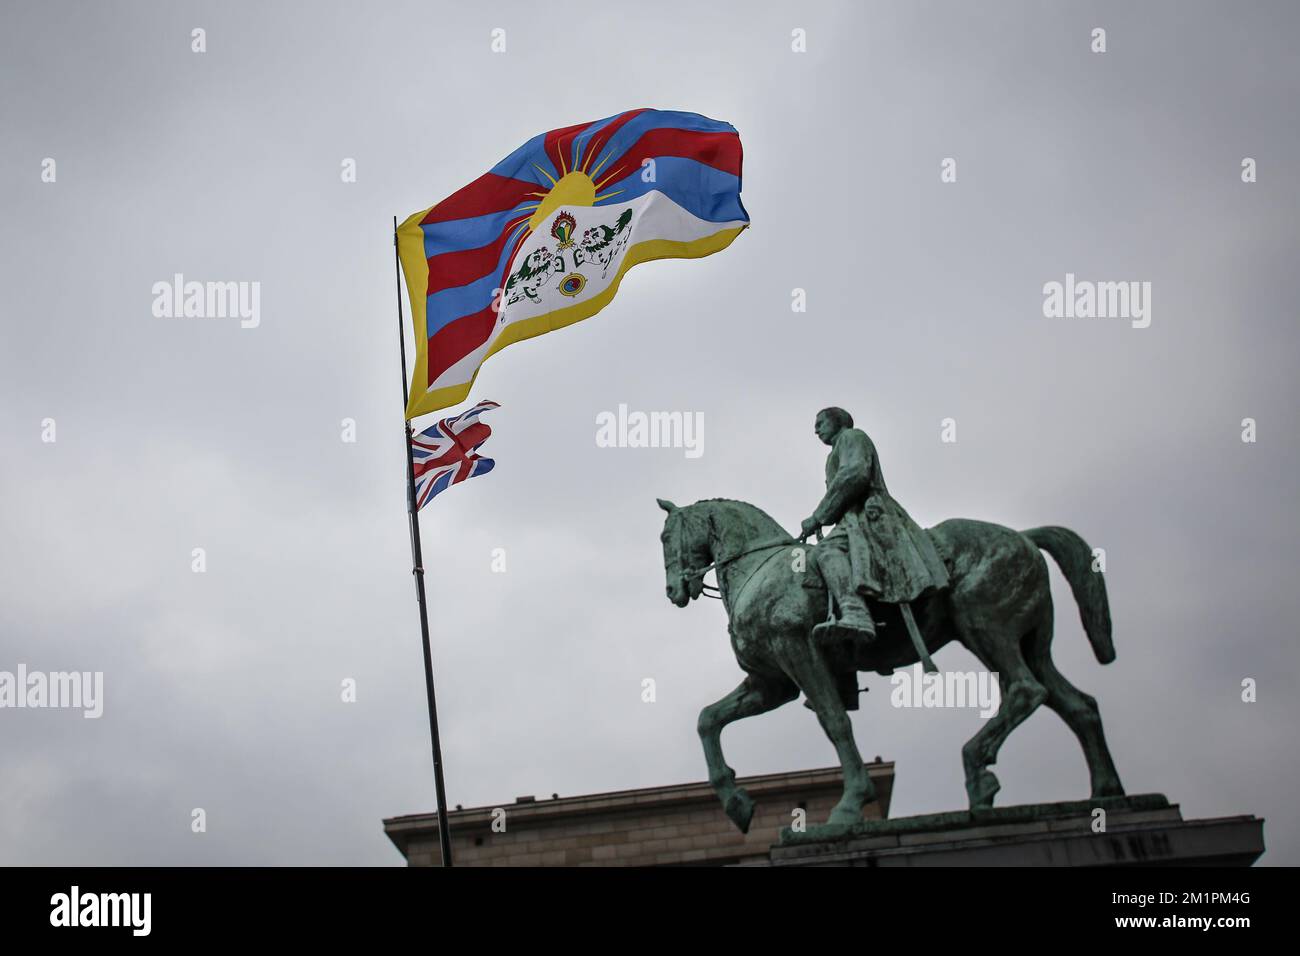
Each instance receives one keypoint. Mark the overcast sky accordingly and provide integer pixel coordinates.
(222, 689)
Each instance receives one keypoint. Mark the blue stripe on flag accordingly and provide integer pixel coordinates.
(455, 235)
(704, 192)
(519, 164)
(447, 305)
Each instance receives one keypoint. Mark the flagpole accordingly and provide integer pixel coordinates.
(417, 559)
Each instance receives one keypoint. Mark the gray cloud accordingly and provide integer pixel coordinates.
(924, 303)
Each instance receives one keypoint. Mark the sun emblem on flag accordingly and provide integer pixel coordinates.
(580, 184)
(583, 176)
(572, 284)
(563, 228)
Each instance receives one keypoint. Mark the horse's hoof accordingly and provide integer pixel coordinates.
(982, 790)
(740, 808)
(844, 817)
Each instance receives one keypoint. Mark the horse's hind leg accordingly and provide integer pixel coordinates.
(1021, 696)
(755, 695)
(1079, 711)
(814, 676)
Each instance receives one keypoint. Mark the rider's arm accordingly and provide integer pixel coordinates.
(852, 479)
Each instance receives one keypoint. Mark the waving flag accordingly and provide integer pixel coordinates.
(542, 240)
(445, 454)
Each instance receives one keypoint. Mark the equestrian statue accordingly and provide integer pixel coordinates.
(876, 594)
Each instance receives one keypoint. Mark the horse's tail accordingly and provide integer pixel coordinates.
(1074, 556)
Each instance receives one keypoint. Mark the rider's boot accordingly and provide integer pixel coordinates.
(854, 622)
(855, 617)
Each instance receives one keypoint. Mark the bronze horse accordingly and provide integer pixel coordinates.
(998, 606)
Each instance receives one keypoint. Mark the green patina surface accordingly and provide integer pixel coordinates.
(960, 819)
(902, 594)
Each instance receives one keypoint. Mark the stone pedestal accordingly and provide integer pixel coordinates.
(1143, 830)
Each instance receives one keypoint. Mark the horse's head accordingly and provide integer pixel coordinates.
(686, 552)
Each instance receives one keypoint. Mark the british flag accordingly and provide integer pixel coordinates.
(445, 454)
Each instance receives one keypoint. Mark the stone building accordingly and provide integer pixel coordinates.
(680, 825)
(683, 825)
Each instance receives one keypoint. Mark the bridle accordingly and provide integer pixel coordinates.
(689, 574)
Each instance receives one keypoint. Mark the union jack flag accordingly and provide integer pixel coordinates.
(445, 454)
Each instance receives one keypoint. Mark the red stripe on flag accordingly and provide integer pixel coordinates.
(487, 194)
(448, 270)
(457, 339)
(473, 436)
(719, 150)
(599, 141)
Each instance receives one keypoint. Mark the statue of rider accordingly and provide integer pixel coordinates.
(875, 550)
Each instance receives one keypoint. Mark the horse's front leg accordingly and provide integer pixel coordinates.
(818, 683)
(755, 695)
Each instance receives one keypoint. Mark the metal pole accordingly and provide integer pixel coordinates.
(417, 558)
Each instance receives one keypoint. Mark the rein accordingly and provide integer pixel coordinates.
(717, 565)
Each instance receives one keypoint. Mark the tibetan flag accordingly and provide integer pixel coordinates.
(447, 453)
(542, 240)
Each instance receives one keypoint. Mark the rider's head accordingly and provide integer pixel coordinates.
(830, 422)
